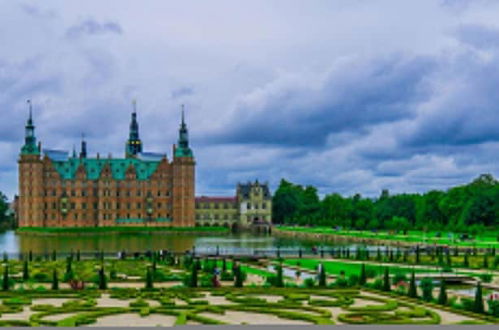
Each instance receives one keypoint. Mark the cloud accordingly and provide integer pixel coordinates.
(478, 36)
(92, 27)
(304, 111)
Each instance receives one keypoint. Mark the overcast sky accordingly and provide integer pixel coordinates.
(347, 95)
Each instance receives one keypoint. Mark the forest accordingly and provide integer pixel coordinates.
(473, 207)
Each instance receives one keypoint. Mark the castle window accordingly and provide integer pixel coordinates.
(73, 193)
(128, 206)
(159, 205)
(83, 205)
(117, 205)
(264, 205)
(138, 193)
(159, 193)
(248, 206)
(96, 205)
(139, 205)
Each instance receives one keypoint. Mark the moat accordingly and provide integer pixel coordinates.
(241, 243)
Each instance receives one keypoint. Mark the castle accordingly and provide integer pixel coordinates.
(142, 189)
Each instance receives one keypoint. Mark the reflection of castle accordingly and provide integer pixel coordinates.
(252, 206)
(141, 189)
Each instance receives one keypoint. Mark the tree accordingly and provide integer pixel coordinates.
(239, 277)
(224, 265)
(363, 276)
(6, 279)
(386, 280)
(485, 261)
(25, 271)
(427, 288)
(194, 276)
(442, 295)
(68, 275)
(322, 276)
(478, 303)
(55, 280)
(279, 277)
(149, 279)
(54, 255)
(413, 291)
(102, 279)
(466, 262)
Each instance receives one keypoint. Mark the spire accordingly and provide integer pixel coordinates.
(30, 146)
(134, 144)
(183, 149)
(83, 151)
(74, 151)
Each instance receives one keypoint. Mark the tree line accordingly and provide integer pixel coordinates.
(472, 207)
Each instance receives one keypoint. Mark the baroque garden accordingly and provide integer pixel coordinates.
(357, 261)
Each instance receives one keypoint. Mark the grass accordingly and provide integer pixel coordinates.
(487, 239)
(335, 267)
(119, 229)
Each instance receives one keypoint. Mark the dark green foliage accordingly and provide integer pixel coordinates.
(68, 275)
(78, 255)
(30, 256)
(193, 279)
(102, 279)
(363, 275)
(239, 277)
(426, 286)
(5, 279)
(5, 257)
(149, 279)
(322, 277)
(25, 271)
(386, 280)
(459, 209)
(54, 255)
(413, 292)
(466, 261)
(485, 263)
(55, 280)
(478, 302)
(279, 276)
(442, 295)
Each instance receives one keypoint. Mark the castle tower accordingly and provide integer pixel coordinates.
(83, 151)
(183, 179)
(30, 179)
(134, 144)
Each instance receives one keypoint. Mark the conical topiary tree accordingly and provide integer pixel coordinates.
(54, 255)
(485, 261)
(25, 271)
(193, 283)
(30, 256)
(442, 295)
(466, 261)
(78, 255)
(55, 280)
(418, 257)
(224, 265)
(386, 280)
(6, 279)
(413, 290)
(102, 279)
(427, 289)
(478, 303)
(149, 279)
(68, 275)
(279, 277)
(322, 277)
(239, 277)
(363, 275)
(5, 257)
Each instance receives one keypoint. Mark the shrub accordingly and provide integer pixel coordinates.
(399, 277)
(478, 302)
(487, 278)
(55, 280)
(386, 280)
(41, 277)
(442, 296)
(427, 289)
(149, 279)
(353, 280)
(309, 282)
(413, 292)
(494, 308)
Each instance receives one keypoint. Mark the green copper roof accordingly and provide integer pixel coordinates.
(183, 152)
(93, 166)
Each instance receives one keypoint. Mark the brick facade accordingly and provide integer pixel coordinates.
(95, 192)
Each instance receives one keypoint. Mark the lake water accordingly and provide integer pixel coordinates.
(242, 243)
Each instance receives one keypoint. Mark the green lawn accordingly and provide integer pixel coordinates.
(335, 267)
(487, 239)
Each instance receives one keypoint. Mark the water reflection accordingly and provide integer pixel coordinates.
(241, 243)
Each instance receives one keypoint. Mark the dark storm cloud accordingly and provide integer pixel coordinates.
(92, 27)
(351, 97)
